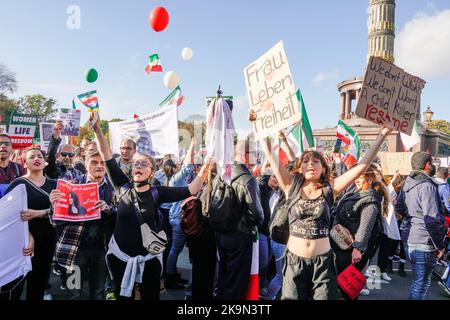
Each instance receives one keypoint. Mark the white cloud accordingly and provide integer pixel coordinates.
(325, 76)
(423, 45)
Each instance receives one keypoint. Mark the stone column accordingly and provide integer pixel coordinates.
(358, 92)
(342, 115)
(348, 104)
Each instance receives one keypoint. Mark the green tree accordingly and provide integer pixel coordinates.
(7, 106)
(8, 80)
(442, 125)
(39, 105)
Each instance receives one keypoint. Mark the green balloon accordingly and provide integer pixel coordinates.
(91, 75)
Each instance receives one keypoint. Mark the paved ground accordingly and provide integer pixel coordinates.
(397, 289)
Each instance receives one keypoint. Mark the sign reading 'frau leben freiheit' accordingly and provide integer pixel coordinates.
(390, 96)
(22, 129)
(271, 92)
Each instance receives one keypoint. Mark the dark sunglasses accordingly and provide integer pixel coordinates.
(6, 143)
(67, 154)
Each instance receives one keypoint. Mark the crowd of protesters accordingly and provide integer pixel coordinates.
(400, 218)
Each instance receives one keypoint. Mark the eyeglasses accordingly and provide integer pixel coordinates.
(67, 154)
(6, 143)
(141, 164)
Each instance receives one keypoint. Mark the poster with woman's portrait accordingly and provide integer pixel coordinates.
(77, 203)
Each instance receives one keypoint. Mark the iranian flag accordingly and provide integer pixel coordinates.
(154, 64)
(175, 98)
(90, 100)
(253, 283)
(300, 137)
(349, 144)
(410, 141)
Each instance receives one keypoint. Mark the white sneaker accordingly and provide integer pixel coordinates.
(364, 292)
(384, 276)
(48, 296)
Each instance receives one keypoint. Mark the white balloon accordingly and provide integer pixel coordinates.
(187, 53)
(171, 80)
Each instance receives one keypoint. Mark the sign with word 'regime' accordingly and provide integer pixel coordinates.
(271, 93)
(390, 96)
(22, 129)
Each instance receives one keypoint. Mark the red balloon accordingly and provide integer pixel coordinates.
(159, 19)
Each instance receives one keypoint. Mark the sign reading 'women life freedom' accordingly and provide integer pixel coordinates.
(390, 96)
(271, 93)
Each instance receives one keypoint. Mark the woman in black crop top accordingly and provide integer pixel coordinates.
(309, 272)
(37, 215)
(127, 234)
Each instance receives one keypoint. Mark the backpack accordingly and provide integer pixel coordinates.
(191, 216)
(279, 225)
(223, 211)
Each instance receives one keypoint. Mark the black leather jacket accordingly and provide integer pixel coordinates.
(247, 194)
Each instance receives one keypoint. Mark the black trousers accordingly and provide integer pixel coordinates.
(167, 227)
(37, 279)
(235, 254)
(148, 289)
(13, 290)
(385, 250)
(202, 253)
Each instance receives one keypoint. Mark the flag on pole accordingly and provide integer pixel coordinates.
(154, 64)
(73, 104)
(90, 100)
(410, 141)
(253, 283)
(349, 144)
(174, 98)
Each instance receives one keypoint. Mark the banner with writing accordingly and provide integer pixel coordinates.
(390, 96)
(71, 119)
(271, 93)
(393, 161)
(77, 202)
(22, 129)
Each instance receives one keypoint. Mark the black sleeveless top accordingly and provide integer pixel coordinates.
(309, 218)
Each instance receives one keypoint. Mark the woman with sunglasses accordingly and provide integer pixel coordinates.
(38, 189)
(127, 259)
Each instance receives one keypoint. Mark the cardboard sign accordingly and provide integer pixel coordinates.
(77, 203)
(271, 93)
(351, 281)
(22, 129)
(71, 119)
(390, 96)
(393, 161)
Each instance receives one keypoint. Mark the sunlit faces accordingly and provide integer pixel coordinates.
(5, 148)
(96, 167)
(363, 183)
(127, 150)
(273, 182)
(34, 160)
(311, 168)
(142, 169)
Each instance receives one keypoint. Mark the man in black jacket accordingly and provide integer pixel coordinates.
(235, 247)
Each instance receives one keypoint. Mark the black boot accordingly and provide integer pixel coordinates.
(171, 282)
(180, 279)
(401, 270)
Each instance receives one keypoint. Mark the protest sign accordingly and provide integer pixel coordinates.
(156, 134)
(22, 129)
(351, 281)
(45, 132)
(3, 128)
(71, 119)
(77, 202)
(390, 96)
(393, 161)
(13, 236)
(271, 93)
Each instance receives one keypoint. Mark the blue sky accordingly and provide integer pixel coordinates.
(325, 42)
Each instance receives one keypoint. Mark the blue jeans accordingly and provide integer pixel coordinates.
(264, 257)
(423, 262)
(178, 242)
(275, 285)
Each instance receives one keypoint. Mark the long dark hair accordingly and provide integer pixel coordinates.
(378, 187)
(76, 203)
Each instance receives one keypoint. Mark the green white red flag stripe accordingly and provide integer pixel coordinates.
(350, 146)
(89, 99)
(253, 283)
(410, 141)
(174, 98)
(154, 64)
